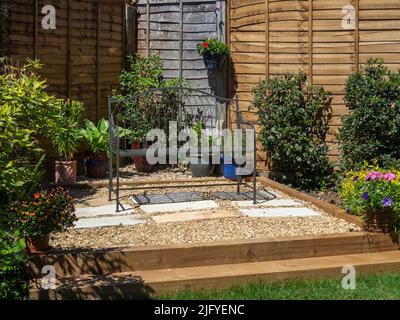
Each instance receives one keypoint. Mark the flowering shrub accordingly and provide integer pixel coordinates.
(46, 211)
(371, 188)
(213, 46)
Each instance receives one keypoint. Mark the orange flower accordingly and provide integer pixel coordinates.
(37, 195)
(23, 220)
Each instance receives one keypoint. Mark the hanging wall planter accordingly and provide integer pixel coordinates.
(214, 61)
(214, 53)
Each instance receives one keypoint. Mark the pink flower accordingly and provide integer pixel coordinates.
(390, 176)
(374, 176)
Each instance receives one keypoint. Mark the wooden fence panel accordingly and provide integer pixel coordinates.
(82, 57)
(173, 29)
(328, 40)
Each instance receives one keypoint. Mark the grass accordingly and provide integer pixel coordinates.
(371, 287)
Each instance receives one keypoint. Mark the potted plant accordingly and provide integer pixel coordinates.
(98, 139)
(46, 211)
(373, 194)
(198, 168)
(66, 137)
(214, 53)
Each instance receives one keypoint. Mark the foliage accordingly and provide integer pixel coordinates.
(372, 129)
(27, 114)
(67, 134)
(13, 267)
(211, 46)
(155, 101)
(294, 120)
(97, 137)
(371, 188)
(46, 211)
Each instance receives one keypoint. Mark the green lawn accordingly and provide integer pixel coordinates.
(373, 287)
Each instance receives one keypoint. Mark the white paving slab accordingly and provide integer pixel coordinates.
(193, 215)
(125, 220)
(270, 203)
(280, 212)
(183, 206)
(108, 210)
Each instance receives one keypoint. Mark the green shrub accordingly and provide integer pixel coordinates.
(294, 123)
(371, 132)
(151, 110)
(27, 115)
(13, 267)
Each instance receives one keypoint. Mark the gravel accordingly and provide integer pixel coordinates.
(238, 227)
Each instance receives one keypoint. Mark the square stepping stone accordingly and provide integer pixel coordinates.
(108, 210)
(125, 220)
(280, 212)
(270, 203)
(193, 215)
(183, 206)
(167, 198)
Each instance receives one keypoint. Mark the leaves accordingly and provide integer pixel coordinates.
(372, 129)
(294, 118)
(213, 46)
(66, 132)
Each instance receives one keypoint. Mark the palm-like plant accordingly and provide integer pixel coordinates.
(67, 134)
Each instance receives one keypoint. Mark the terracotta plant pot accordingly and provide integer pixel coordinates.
(379, 220)
(96, 165)
(140, 162)
(65, 172)
(37, 245)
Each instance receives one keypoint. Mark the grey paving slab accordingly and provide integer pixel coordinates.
(107, 210)
(125, 220)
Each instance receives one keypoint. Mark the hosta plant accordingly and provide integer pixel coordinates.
(371, 188)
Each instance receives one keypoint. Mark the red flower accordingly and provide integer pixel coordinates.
(205, 45)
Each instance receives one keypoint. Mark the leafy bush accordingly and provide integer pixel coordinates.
(13, 267)
(46, 211)
(153, 109)
(372, 129)
(294, 121)
(371, 188)
(67, 134)
(214, 47)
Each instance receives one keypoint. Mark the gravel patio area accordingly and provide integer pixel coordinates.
(235, 227)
